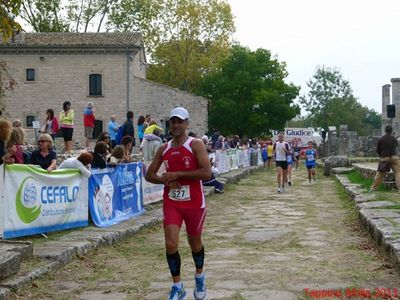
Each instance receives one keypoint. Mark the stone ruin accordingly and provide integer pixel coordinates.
(348, 143)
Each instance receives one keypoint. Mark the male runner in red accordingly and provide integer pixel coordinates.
(187, 164)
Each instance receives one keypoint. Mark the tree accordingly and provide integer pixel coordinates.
(248, 95)
(186, 39)
(62, 16)
(9, 10)
(44, 15)
(7, 84)
(330, 102)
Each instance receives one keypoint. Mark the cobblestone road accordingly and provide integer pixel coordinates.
(259, 245)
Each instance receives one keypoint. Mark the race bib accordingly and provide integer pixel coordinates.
(182, 194)
(310, 157)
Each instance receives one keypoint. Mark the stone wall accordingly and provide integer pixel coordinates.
(158, 99)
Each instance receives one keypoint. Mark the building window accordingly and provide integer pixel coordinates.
(29, 121)
(95, 85)
(30, 74)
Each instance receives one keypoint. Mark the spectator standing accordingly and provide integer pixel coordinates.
(140, 126)
(82, 162)
(51, 125)
(127, 127)
(214, 137)
(66, 119)
(150, 147)
(17, 123)
(44, 156)
(88, 123)
(112, 130)
(219, 144)
(386, 149)
(147, 121)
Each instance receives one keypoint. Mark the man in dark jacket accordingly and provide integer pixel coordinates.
(127, 127)
(386, 149)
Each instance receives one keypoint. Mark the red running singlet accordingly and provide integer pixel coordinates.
(190, 195)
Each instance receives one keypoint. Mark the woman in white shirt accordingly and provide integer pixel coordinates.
(82, 162)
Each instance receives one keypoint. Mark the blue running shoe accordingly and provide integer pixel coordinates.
(177, 294)
(200, 291)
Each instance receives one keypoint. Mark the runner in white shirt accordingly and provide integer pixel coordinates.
(281, 149)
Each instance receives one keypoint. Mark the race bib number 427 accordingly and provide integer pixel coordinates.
(182, 194)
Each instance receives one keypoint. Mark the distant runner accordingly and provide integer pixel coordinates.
(311, 156)
(291, 160)
(281, 149)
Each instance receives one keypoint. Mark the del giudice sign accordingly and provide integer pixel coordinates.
(298, 137)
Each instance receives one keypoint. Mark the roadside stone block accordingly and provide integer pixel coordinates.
(9, 263)
(375, 204)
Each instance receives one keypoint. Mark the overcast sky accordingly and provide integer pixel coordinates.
(359, 37)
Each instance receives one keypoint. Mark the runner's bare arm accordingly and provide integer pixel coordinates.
(151, 174)
(204, 167)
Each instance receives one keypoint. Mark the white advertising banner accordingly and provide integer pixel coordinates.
(221, 161)
(299, 137)
(152, 192)
(232, 159)
(36, 201)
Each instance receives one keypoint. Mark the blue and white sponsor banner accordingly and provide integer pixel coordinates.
(115, 194)
(36, 201)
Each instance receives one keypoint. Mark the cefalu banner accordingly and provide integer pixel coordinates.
(36, 201)
(115, 194)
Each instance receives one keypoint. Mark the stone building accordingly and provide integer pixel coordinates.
(395, 100)
(108, 69)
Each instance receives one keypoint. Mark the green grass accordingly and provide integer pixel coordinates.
(357, 178)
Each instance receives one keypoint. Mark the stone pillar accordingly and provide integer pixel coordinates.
(385, 102)
(396, 102)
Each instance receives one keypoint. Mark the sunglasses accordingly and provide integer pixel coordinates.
(42, 141)
(106, 137)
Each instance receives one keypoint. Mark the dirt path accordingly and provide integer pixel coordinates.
(259, 245)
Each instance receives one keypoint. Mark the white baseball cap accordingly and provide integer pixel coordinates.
(179, 112)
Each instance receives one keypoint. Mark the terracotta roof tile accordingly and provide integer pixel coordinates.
(68, 39)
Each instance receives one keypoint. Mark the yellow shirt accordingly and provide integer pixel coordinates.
(67, 120)
(270, 150)
(150, 129)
